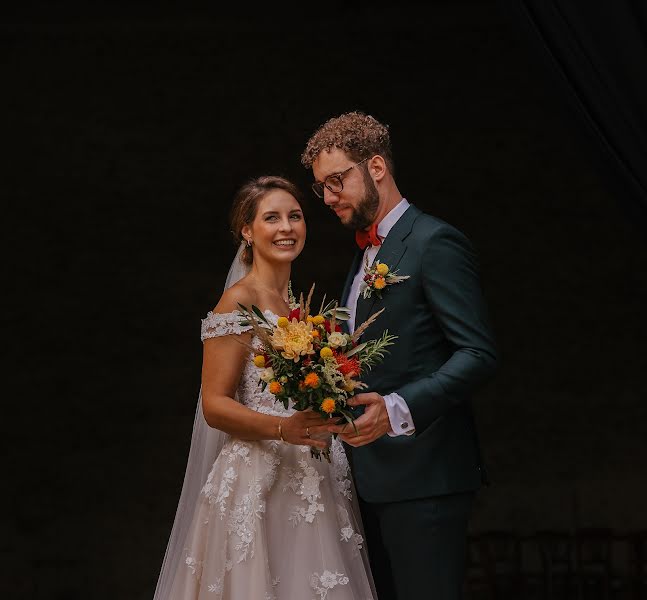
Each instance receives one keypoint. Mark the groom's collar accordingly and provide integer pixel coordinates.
(391, 218)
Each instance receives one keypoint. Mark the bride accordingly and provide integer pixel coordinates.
(258, 517)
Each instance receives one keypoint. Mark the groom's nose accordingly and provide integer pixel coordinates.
(330, 198)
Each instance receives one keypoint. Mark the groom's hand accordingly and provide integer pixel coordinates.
(374, 423)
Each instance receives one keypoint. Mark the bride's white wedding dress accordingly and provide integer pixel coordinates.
(272, 522)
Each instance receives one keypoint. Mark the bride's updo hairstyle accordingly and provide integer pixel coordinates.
(243, 210)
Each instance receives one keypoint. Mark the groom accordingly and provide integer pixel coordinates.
(415, 456)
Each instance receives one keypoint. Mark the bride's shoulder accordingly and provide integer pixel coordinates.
(233, 297)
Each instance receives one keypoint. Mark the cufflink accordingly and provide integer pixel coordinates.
(404, 425)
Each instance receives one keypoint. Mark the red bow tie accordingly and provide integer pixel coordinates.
(364, 238)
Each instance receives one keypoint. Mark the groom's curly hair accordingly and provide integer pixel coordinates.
(358, 134)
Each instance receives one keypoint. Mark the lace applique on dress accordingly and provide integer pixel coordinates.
(219, 324)
(305, 484)
(348, 534)
(242, 520)
(341, 469)
(325, 582)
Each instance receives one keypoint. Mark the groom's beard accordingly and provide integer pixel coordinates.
(364, 213)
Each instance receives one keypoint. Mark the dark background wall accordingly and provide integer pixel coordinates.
(126, 136)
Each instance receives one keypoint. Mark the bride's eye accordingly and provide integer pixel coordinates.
(296, 216)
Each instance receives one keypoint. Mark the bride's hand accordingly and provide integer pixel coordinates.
(298, 427)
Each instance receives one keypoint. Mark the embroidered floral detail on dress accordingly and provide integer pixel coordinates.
(238, 449)
(194, 565)
(325, 582)
(218, 324)
(348, 534)
(272, 459)
(242, 520)
(305, 483)
(341, 469)
(220, 494)
(216, 587)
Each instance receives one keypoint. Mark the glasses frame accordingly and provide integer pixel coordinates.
(318, 186)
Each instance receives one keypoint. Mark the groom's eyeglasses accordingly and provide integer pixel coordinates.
(333, 182)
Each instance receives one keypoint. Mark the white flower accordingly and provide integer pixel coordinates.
(337, 339)
(267, 375)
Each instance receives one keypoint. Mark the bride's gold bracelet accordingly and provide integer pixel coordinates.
(280, 429)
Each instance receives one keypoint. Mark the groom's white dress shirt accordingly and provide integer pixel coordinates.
(396, 407)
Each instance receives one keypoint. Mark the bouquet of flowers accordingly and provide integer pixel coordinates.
(307, 362)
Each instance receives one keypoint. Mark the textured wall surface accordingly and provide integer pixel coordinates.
(126, 139)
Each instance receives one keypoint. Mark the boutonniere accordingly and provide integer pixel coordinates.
(377, 277)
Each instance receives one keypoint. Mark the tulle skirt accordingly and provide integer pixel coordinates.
(274, 523)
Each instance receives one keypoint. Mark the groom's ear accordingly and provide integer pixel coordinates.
(377, 167)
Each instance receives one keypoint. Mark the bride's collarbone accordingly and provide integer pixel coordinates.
(264, 303)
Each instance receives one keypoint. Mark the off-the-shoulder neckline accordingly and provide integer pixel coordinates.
(237, 313)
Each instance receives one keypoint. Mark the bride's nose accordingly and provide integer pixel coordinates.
(286, 224)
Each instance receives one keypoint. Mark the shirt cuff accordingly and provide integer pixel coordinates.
(399, 415)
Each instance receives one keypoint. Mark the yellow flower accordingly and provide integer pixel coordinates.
(325, 352)
(328, 405)
(294, 340)
(275, 388)
(382, 269)
(318, 320)
(380, 283)
(311, 380)
(309, 319)
(282, 322)
(259, 361)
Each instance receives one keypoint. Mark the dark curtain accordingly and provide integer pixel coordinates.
(594, 53)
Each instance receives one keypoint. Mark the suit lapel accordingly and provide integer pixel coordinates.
(351, 275)
(390, 252)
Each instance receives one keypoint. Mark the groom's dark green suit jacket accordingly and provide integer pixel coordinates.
(445, 350)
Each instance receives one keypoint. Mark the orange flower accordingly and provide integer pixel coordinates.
(315, 333)
(328, 405)
(380, 283)
(275, 388)
(311, 380)
(347, 366)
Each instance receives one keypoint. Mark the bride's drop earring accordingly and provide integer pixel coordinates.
(249, 243)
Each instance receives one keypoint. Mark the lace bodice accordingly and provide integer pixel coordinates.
(249, 392)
